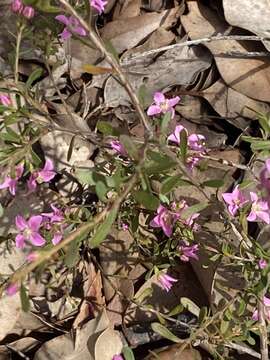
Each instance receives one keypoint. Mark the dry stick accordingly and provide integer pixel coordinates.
(242, 348)
(20, 274)
(263, 329)
(130, 59)
(116, 66)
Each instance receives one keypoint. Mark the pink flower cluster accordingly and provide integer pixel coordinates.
(118, 148)
(266, 303)
(37, 177)
(166, 281)
(166, 218)
(259, 206)
(195, 142)
(72, 26)
(34, 230)
(18, 8)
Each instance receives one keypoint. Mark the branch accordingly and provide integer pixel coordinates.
(116, 66)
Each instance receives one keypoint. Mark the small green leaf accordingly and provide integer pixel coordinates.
(203, 314)
(213, 183)
(165, 122)
(164, 332)
(250, 340)
(246, 184)
(101, 190)
(172, 182)
(72, 254)
(183, 144)
(148, 200)
(260, 145)
(103, 229)
(24, 299)
(129, 146)
(107, 129)
(190, 306)
(143, 295)
(144, 96)
(193, 209)
(111, 49)
(176, 310)
(33, 77)
(128, 353)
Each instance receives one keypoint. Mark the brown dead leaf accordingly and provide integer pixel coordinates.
(125, 34)
(248, 76)
(230, 103)
(174, 353)
(251, 15)
(128, 9)
(107, 345)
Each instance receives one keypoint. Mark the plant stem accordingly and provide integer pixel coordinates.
(17, 54)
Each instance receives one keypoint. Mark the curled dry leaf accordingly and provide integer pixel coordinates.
(250, 77)
(251, 15)
(128, 9)
(174, 353)
(175, 67)
(125, 34)
(232, 104)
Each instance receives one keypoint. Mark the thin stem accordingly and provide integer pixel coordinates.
(17, 54)
(263, 330)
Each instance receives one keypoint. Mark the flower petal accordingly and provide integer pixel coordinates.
(159, 97)
(20, 222)
(20, 239)
(35, 222)
(65, 34)
(63, 19)
(252, 216)
(174, 101)
(153, 110)
(57, 238)
(37, 240)
(264, 216)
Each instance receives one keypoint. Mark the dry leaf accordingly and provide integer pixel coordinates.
(107, 345)
(252, 15)
(174, 67)
(232, 104)
(128, 9)
(248, 76)
(174, 353)
(125, 34)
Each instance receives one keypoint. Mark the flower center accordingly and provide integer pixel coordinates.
(165, 106)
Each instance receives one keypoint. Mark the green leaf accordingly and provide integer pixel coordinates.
(264, 121)
(128, 353)
(250, 340)
(144, 96)
(260, 145)
(24, 299)
(143, 295)
(129, 146)
(164, 332)
(176, 310)
(172, 182)
(165, 122)
(111, 49)
(107, 129)
(183, 144)
(45, 5)
(190, 306)
(72, 254)
(193, 209)
(203, 314)
(101, 190)
(148, 200)
(33, 77)
(213, 183)
(104, 229)
(246, 184)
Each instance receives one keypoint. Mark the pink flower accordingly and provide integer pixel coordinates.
(72, 26)
(259, 209)
(125, 226)
(235, 200)
(178, 208)
(99, 5)
(166, 281)
(164, 219)
(162, 105)
(118, 357)
(29, 231)
(265, 175)
(192, 161)
(28, 12)
(32, 256)
(17, 6)
(43, 175)
(262, 263)
(55, 216)
(196, 142)
(175, 136)
(118, 147)
(12, 289)
(188, 252)
(11, 183)
(5, 100)
(266, 303)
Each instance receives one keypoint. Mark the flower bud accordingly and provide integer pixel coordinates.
(28, 12)
(17, 6)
